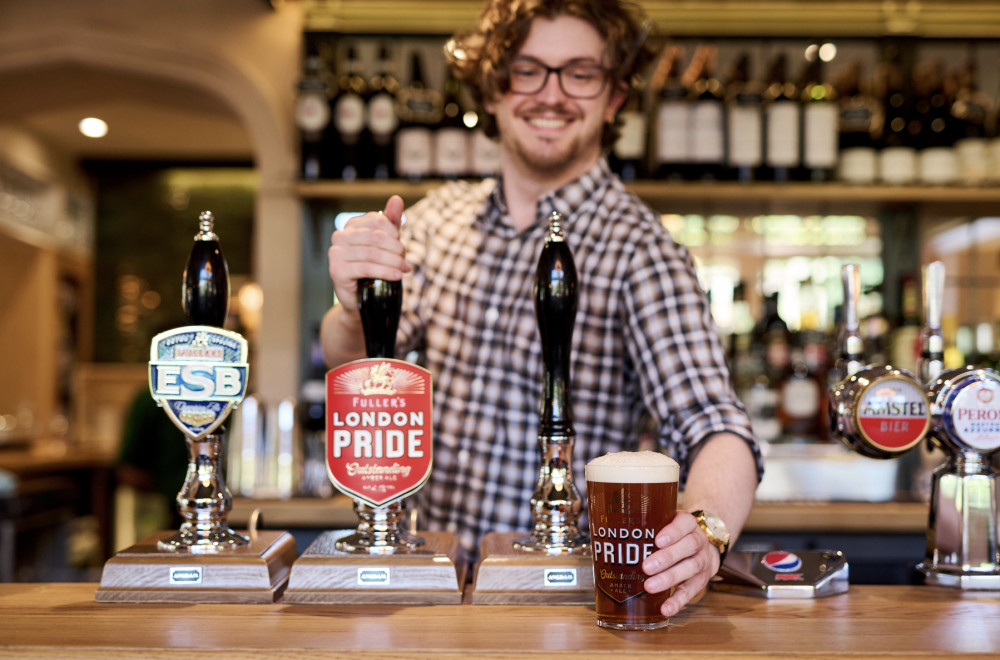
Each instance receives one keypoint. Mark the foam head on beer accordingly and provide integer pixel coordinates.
(633, 467)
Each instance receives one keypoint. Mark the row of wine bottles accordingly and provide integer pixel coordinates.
(933, 127)
(798, 119)
(357, 127)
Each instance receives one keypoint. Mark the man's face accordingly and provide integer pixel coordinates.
(549, 133)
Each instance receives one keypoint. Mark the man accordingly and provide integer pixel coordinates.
(553, 74)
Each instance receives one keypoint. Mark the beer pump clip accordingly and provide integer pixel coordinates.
(198, 375)
(379, 451)
(379, 448)
(879, 411)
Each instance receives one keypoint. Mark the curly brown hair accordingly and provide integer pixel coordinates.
(480, 57)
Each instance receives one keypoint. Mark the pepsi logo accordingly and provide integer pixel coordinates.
(780, 561)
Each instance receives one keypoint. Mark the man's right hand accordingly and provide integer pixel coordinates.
(367, 246)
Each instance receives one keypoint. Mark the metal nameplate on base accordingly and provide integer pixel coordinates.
(254, 573)
(783, 574)
(505, 576)
(938, 578)
(432, 574)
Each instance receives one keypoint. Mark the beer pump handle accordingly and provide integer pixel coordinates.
(931, 362)
(851, 344)
(380, 303)
(555, 309)
(205, 289)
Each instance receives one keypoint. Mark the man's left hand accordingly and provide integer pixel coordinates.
(684, 560)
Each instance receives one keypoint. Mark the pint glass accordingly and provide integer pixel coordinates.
(631, 496)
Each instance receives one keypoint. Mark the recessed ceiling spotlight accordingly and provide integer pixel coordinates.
(828, 51)
(93, 127)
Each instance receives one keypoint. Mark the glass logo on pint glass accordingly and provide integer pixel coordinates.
(621, 502)
(378, 429)
(622, 533)
(198, 374)
(893, 414)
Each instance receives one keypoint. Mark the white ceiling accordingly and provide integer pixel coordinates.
(148, 119)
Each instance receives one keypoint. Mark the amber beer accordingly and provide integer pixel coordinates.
(631, 497)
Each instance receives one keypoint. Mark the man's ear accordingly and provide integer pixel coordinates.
(618, 96)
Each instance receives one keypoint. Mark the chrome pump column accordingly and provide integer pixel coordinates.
(878, 411)
(852, 348)
(556, 503)
(215, 362)
(962, 533)
(382, 530)
(931, 362)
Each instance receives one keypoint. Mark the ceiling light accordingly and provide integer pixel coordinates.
(93, 127)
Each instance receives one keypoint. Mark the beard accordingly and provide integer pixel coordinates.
(550, 156)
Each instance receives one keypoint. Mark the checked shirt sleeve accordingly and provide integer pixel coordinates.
(675, 348)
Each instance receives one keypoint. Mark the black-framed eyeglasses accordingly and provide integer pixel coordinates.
(577, 80)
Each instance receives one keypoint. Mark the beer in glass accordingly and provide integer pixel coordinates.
(631, 496)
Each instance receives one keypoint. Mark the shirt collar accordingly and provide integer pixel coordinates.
(566, 200)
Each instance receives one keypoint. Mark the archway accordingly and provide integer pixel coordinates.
(260, 105)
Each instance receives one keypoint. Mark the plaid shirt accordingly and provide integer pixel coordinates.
(644, 344)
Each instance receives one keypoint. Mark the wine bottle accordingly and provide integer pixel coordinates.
(819, 125)
(782, 123)
(772, 336)
(937, 163)
(312, 116)
(382, 118)
(706, 127)
(993, 175)
(484, 156)
(904, 347)
(419, 109)
(673, 110)
(628, 155)
(770, 339)
(452, 136)
(800, 399)
(970, 112)
(859, 124)
(744, 122)
(349, 116)
(897, 157)
(743, 365)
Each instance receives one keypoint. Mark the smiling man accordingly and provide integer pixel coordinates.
(551, 120)
(552, 74)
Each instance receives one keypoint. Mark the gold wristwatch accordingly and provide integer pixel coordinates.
(716, 531)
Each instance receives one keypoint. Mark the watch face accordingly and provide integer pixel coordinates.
(717, 527)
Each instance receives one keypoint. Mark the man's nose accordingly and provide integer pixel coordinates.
(552, 89)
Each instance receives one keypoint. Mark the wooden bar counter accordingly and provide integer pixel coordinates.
(64, 621)
(859, 517)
